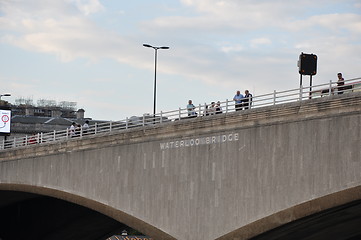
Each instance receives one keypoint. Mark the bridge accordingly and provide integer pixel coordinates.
(262, 173)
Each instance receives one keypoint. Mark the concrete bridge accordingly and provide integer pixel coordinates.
(229, 176)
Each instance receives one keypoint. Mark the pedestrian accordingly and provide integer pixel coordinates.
(191, 109)
(238, 101)
(85, 127)
(218, 107)
(206, 110)
(32, 139)
(72, 129)
(340, 83)
(247, 100)
(212, 109)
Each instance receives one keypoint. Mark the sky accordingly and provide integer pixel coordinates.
(91, 51)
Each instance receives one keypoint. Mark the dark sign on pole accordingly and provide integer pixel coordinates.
(307, 64)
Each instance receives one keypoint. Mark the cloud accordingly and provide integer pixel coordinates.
(217, 40)
(232, 48)
(60, 30)
(231, 14)
(335, 23)
(88, 7)
(260, 41)
(249, 16)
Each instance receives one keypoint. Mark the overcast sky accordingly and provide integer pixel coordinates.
(90, 51)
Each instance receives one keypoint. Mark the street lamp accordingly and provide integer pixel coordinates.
(5, 95)
(155, 70)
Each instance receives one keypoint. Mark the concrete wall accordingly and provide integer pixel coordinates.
(219, 177)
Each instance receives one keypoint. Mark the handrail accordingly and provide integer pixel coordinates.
(227, 106)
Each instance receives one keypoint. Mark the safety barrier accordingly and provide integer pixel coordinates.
(202, 110)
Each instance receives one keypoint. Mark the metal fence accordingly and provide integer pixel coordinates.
(202, 110)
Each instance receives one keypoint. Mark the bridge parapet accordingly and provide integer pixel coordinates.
(266, 115)
(228, 106)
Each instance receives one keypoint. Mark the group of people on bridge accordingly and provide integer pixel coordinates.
(76, 129)
(241, 102)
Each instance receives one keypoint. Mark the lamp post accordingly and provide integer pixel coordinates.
(5, 95)
(155, 71)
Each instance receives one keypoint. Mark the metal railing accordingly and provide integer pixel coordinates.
(202, 110)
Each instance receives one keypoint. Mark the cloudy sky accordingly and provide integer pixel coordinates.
(90, 51)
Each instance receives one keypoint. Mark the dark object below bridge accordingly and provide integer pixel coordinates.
(341, 223)
(35, 217)
(118, 237)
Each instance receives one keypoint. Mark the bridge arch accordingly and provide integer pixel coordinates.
(276, 225)
(102, 208)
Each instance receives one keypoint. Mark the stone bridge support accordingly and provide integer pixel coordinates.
(228, 176)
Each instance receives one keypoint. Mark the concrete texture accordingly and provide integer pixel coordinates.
(229, 176)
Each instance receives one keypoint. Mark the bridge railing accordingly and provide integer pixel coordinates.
(201, 110)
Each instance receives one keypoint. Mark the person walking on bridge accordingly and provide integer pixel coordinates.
(72, 129)
(85, 127)
(191, 109)
(340, 83)
(247, 100)
(238, 101)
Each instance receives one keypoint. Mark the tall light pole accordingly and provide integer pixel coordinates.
(5, 95)
(155, 71)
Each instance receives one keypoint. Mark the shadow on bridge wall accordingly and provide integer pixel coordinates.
(115, 214)
(295, 213)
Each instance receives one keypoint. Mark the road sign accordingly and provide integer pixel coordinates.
(5, 120)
